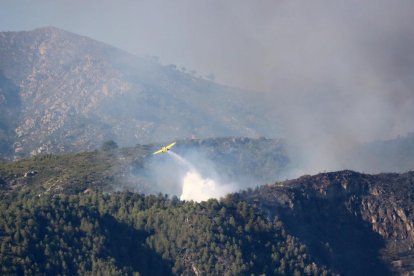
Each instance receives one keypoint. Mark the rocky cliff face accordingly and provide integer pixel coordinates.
(73, 93)
(356, 224)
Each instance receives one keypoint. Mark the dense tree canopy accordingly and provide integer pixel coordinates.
(127, 233)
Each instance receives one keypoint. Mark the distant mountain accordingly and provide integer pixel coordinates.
(394, 155)
(63, 92)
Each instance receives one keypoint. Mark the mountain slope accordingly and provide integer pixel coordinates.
(245, 161)
(73, 93)
(129, 234)
(342, 222)
(356, 224)
(347, 222)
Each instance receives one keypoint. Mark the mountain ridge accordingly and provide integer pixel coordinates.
(355, 223)
(76, 93)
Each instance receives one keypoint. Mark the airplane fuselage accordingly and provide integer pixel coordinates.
(165, 149)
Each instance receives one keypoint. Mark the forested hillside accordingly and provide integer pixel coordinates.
(340, 222)
(128, 233)
(65, 214)
(250, 162)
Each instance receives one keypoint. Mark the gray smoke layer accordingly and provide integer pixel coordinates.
(334, 73)
(341, 74)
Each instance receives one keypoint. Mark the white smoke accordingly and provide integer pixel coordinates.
(197, 187)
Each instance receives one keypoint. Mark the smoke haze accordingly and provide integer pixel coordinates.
(333, 74)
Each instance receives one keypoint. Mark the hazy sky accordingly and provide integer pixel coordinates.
(265, 39)
(337, 72)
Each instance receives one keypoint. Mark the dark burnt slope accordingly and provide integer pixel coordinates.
(357, 224)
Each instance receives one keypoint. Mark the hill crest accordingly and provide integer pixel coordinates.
(74, 93)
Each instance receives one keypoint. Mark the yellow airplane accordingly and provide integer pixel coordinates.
(165, 149)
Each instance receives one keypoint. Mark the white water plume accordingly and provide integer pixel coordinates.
(182, 160)
(197, 187)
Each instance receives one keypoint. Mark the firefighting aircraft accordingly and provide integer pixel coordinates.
(165, 149)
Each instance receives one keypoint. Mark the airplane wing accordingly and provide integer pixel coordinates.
(158, 151)
(170, 146)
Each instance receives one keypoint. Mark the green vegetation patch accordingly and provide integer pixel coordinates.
(126, 233)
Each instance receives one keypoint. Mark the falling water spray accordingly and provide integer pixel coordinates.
(196, 187)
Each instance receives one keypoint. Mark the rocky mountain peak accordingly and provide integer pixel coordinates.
(75, 93)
